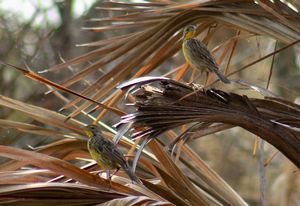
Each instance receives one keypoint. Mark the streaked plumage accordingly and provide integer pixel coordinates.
(197, 55)
(106, 153)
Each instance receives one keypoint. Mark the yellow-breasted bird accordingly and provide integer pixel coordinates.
(197, 54)
(106, 153)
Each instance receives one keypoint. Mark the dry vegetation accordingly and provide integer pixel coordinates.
(43, 148)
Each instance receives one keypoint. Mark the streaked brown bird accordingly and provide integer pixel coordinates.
(106, 153)
(197, 54)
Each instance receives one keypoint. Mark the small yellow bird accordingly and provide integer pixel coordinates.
(197, 55)
(106, 153)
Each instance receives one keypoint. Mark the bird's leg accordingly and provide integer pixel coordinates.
(108, 174)
(108, 178)
(114, 172)
(207, 76)
(195, 85)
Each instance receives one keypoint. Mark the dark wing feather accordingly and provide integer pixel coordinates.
(110, 154)
(200, 55)
(110, 151)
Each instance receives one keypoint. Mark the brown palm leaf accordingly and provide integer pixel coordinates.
(172, 104)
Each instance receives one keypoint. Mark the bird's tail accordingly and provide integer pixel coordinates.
(131, 174)
(221, 76)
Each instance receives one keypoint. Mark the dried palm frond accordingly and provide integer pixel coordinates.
(55, 193)
(172, 104)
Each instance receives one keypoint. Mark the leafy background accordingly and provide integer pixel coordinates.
(110, 42)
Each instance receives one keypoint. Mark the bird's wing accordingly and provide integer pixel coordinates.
(112, 152)
(200, 54)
